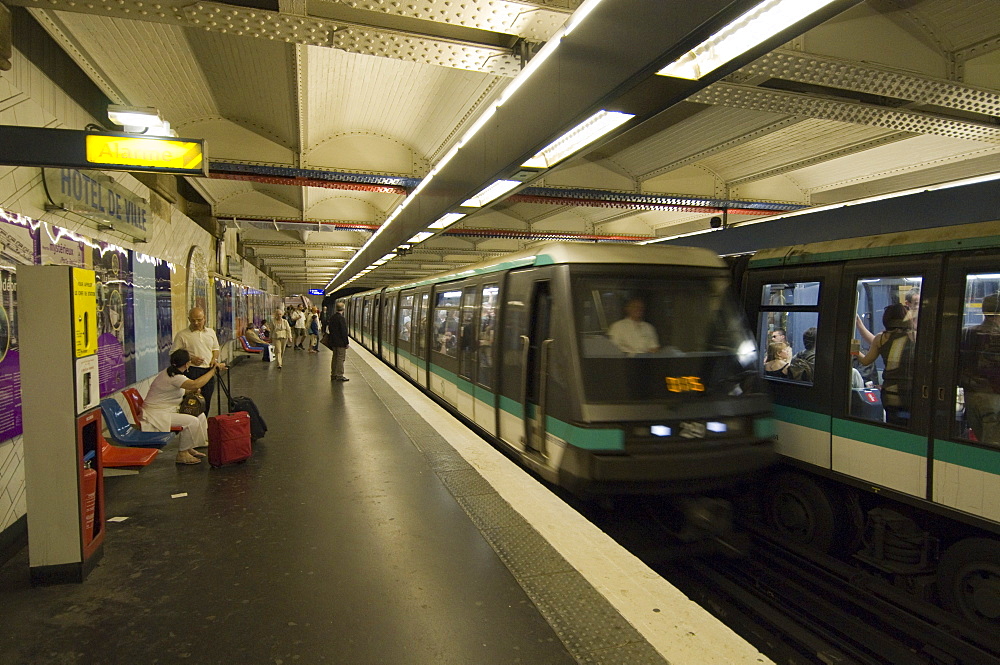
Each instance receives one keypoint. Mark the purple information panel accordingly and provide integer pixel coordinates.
(10, 364)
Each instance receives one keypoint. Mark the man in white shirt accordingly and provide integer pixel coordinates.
(203, 345)
(299, 326)
(633, 335)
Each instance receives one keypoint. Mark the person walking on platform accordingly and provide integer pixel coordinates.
(280, 332)
(159, 408)
(313, 332)
(299, 325)
(336, 328)
(203, 345)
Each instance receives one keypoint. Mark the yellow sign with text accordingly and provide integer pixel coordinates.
(84, 312)
(146, 153)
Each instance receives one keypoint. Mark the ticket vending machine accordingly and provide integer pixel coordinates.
(60, 397)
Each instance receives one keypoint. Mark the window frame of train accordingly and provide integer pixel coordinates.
(421, 306)
(486, 365)
(389, 299)
(407, 301)
(446, 308)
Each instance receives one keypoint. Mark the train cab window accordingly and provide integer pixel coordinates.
(487, 333)
(405, 319)
(977, 412)
(789, 319)
(468, 334)
(883, 350)
(653, 337)
(445, 339)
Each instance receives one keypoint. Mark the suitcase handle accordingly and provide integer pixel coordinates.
(224, 389)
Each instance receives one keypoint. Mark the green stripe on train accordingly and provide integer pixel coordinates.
(971, 457)
(884, 437)
(801, 417)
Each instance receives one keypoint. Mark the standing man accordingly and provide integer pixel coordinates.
(299, 324)
(203, 346)
(336, 328)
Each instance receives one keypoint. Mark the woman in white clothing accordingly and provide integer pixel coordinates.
(159, 409)
(280, 332)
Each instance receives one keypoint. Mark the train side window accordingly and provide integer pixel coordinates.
(487, 333)
(446, 330)
(420, 351)
(467, 337)
(977, 399)
(405, 318)
(883, 351)
(789, 318)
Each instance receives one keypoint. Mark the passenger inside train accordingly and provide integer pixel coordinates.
(979, 373)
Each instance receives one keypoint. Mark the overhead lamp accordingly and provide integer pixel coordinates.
(140, 120)
(446, 220)
(491, 193)
(764, 21)
(420, 237)
(583, 134)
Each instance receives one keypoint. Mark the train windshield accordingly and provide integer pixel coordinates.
(650, 338)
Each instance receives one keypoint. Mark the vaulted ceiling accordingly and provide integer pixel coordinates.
(321, 115)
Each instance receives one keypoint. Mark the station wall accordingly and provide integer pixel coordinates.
(156, 281)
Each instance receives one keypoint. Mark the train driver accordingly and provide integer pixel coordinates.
(632, 334)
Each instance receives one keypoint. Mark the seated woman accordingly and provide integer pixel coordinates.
(255, 340)
(159, 410)
(779, 356)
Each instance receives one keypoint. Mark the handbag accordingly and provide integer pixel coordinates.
(327, 341)
(192, 404)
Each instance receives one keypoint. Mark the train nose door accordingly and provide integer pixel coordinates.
(535, 349)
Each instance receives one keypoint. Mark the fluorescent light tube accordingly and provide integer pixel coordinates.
(447, 220)
(420, 237)
(491, 193)
(751, 29)
(583, 134)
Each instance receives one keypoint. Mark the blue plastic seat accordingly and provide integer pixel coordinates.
(122, 433)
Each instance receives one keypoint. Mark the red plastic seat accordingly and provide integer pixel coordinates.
(134, 400)
(118, 456)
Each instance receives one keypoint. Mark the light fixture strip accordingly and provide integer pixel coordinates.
(751, 29)
(420, 237)
(446, 220)
(583, 134)
(491, 193)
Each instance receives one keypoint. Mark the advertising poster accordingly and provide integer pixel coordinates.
(10, 364)
(60, 248)
(114, 325)
(164, 314)
(223, 311)
(147, 341)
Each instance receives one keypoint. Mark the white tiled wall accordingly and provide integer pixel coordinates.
(29, 98)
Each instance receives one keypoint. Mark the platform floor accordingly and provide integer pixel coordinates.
(369, 527)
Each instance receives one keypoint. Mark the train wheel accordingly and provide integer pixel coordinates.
(799, 510)
(969, 580)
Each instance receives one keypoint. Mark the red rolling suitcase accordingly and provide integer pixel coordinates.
(229, 438)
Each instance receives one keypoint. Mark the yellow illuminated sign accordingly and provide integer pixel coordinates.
(683, 384)
(145, 152)
(84, 312)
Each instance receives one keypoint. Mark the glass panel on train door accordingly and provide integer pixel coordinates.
(977, 399)
(467, 338)
(883, 350)
(405, 321)
(421, 350)
(788, 321)
(487, 333)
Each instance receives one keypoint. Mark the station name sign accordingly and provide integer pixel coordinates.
(95, 195)
(315, 292)
(109, 151)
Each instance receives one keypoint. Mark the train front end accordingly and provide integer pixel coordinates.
(668, 398)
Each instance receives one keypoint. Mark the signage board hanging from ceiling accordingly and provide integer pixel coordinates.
(98, 197)
(109, 151)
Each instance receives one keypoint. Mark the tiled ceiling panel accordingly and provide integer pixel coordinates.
(795, 143)
(419, 105)
(151, 63)
(710, 129)
(890, 160)
(251, 81)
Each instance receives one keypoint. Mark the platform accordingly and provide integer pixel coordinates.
(369, 527)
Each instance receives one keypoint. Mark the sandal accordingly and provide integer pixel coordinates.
(191, 459)
(197, 453)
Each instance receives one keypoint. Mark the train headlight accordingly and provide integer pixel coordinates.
(747, 353)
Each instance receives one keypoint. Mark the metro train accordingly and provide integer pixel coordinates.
(528, 350)
(907, 479)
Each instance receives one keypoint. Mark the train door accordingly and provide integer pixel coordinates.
(794, 311)
(444, 342)
(882, 404)
(376, 325)
(388, 318)
(421, 350)
(485, 412)
(526, 344)
(404, 334)
(468, 345)
(966, 397)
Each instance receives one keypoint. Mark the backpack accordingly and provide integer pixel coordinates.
(802, 365)
(897, 382)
